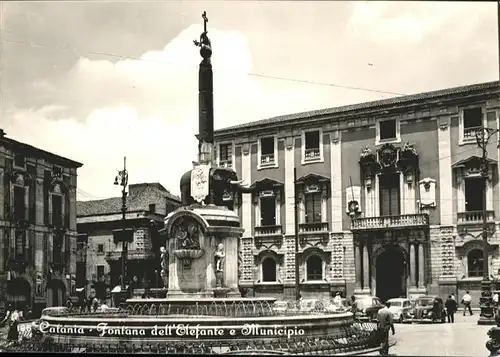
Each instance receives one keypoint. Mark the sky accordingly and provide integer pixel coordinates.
(95, 81)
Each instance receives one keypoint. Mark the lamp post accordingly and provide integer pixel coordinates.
(122, 180)
(483, 136)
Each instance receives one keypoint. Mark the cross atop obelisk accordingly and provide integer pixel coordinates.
(205, 20)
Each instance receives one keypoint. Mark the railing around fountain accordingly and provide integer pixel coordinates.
(355, 338)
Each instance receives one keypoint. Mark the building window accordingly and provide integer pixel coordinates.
(268, 211)
(388, 130)
(100, 248)
(19, 160)
(57, 171)
(312, 145)
(314, 267)
(475, 263)
(313, 207)
(269, 270)
(389, 194)
(473, 194)
(19, 203)
(267, 152)
(226, 155)
(57, 211)
(152, 208)
(100, 272)
(472, 120)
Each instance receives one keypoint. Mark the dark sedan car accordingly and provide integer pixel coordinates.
(429, 309)
(366, 308)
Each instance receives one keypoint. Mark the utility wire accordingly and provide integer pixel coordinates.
(258, 75)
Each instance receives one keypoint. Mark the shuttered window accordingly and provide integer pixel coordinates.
(389, 195)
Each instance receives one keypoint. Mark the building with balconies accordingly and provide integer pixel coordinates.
(99, 266)
(37, 226)
(409, 166)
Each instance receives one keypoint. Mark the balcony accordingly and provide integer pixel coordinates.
(267, 160)
(312, 154)
(470, 133)
(316, 227)
(264, 231)
(268, 236)
(474, 217)
(390, 222)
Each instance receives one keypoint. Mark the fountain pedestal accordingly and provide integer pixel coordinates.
(204, 242)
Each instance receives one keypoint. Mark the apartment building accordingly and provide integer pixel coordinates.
(389, 196)
(99, 267)
(37, 226)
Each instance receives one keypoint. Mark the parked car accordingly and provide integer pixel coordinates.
(400, 308)
(366, 308)
(425, 310)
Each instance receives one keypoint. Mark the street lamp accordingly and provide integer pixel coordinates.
(122, 180)
(483, 136)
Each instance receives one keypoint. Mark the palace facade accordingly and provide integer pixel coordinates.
(99, 267)
(408, 166)
(37, 227)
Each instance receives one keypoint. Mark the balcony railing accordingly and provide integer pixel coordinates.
(267, 159)
(470, 133)
(263, 231)
(316, 227)
(385, 222)
(474, 217)
(312, 154)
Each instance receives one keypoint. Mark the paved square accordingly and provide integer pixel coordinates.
(463, 338)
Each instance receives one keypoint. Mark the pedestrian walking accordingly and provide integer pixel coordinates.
(385, 323)
(451, 307)
(13, 334)
(495, 299)
(466, 300)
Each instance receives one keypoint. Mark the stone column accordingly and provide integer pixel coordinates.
(366, 267)
(413, 266)
(357, 260)
(421, 266)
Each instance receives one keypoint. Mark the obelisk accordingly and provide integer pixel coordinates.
(205, 99)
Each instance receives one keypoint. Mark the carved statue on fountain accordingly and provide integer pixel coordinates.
(187, 234)
(219, 264)
(164, 261)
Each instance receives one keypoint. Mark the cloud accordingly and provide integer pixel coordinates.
(147, 110)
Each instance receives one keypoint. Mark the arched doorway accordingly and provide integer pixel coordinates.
(56, 293)
(391, 274)
(18, 294)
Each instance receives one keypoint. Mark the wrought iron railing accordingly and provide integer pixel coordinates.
(384, 222)
(470, 133)
(311, 154)
(267, 159)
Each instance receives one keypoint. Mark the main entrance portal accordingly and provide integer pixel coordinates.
(391, 274)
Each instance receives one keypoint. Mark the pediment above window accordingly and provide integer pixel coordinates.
(278, 257)
(389, 158)
(20, 178)
(472, 166)
(307, 253)
(266, 184)
(312, 178)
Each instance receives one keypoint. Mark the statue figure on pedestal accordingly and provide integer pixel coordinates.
(219, 264)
